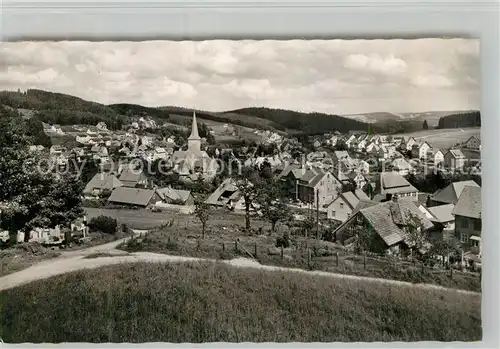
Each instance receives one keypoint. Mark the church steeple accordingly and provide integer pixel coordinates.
(194, 140)
(194, 129)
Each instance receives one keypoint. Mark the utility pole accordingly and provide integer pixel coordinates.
(317, 213)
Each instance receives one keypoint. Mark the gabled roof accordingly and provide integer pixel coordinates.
(131, 176)
(102, 181)
(389, 219)
(442, 213)
(228, 185)
(401, 164)
(131, 196)
(173, 194)
(469, 203)
(394, 183)
(457, 153)
(451, 193)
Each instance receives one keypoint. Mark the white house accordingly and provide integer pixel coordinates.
(401, 166)
(423, 149)
(410, 143)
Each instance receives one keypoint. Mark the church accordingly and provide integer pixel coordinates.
(194, 163)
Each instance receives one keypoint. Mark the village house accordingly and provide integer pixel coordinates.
(133, 177)
(159, 153)
(359, 179)
(138, 197)
(372, 148)
(454, 159)
(101, 126)
(342, 207)
(436, 156)
(392, 184)
(388, 222)
(82, 138)
(468, 218)
(350, 141)
(226, 195)
(473, 143)
(442, 218)
(419, 150)
(101, 183)
(318, 187)
(401, 167)
(409, 144)
(173, 196)
(451, 193)
(290, 177)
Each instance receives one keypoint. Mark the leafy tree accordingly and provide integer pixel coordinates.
(426, 127)
(273, 204)
(415, 236)
(248, 183)
(105, 224)
(202, 212)
(29, 196)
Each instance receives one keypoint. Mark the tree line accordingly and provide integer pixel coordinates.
(469, 119)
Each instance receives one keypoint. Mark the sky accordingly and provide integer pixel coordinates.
(330, 76)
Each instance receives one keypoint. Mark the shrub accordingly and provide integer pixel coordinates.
(104, 224)
(283, 240)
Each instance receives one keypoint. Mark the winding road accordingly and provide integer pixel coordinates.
(70, 261)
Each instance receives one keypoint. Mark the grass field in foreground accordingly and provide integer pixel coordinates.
(213, 302)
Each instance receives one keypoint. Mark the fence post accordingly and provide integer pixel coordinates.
(281, 253)
(198, 244)
(223, 247)
(236, 245)
(337, 258)
(255, 250)
(309, 258)
(169, 240)
(451, 272)
(364, 260)
(423, 267)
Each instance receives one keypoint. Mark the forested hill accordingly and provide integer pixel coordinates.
(306, 122)
(468, 119)
(63, 109)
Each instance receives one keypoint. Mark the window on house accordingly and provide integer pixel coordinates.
(477, 224)
(341, 205)
(464, 223)
(464, 238)
(333, 213)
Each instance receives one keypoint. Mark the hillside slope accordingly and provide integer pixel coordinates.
(215, 303)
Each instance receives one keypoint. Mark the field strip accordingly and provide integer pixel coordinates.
(66, 265)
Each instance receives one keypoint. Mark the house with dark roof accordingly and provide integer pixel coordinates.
(173, 196)
(387, 223)
(133, 177)
(101, 182)
(451, 193)
(392, 184)
(442, 218)
(133, 197)
(318, 187)
(343, 206)
(468, 218)
(473, 143)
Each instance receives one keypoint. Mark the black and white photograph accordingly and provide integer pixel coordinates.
(324, 190)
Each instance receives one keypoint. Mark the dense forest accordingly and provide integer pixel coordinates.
(469, 119)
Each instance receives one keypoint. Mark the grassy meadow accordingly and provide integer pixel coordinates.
(149, 302)
(184, 238)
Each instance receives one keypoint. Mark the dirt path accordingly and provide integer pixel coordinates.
(74, 260)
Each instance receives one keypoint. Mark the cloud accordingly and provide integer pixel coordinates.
(431, 81)
(375, 63)
(333, 76)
